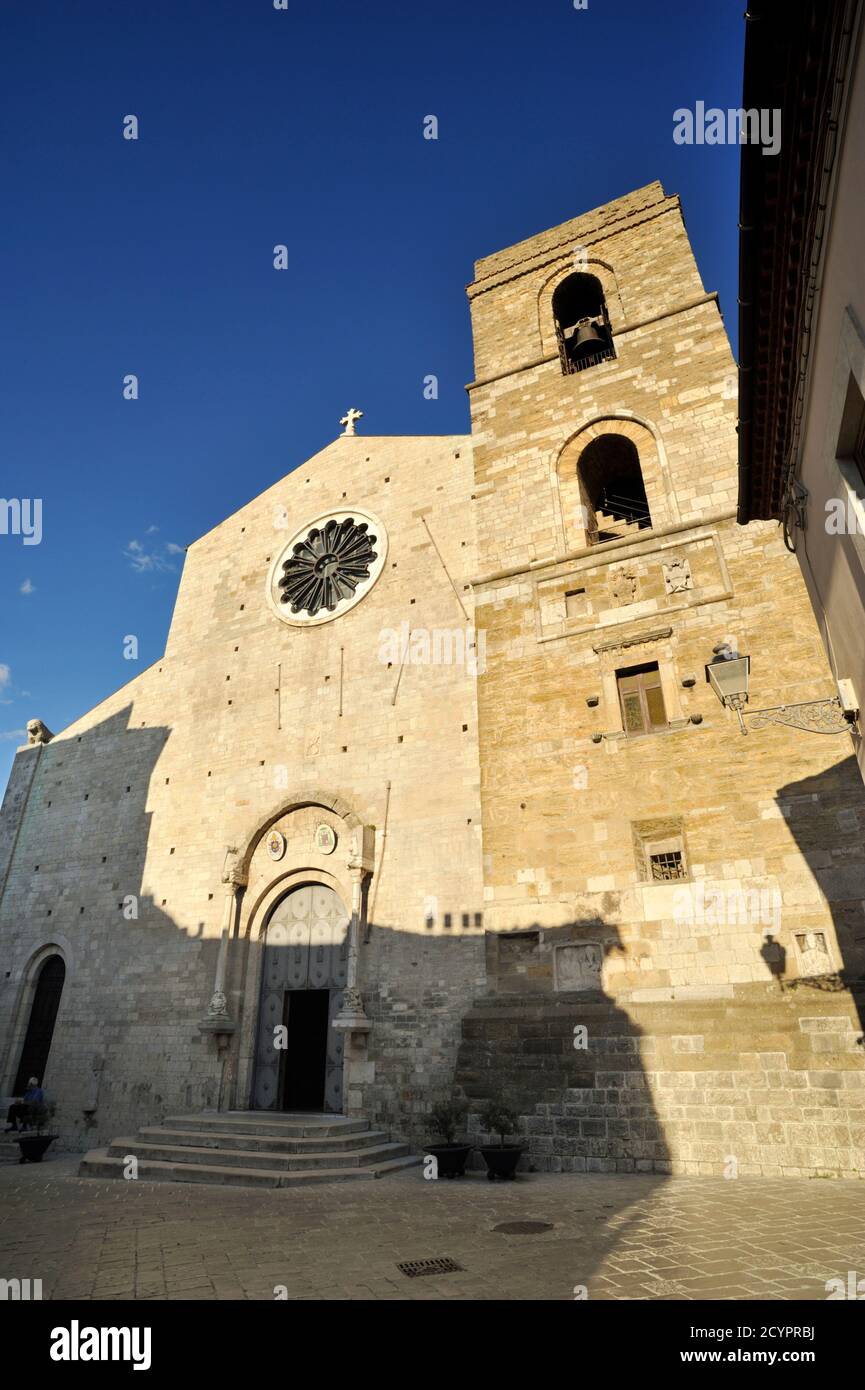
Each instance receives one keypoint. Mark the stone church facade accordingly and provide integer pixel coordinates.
(430, 783)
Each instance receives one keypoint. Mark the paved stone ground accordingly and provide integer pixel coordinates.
(622, 1237)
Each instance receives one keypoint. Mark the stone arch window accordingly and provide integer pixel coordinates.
(582, 323)
(612, 489)
(40, 1025)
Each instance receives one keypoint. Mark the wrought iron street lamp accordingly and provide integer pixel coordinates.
(727, 673)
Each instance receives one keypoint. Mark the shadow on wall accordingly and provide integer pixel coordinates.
(825, 814)
(557, 1049)
(569, 1061)
(124, 1044)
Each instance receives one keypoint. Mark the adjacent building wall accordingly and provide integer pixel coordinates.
(832, 549)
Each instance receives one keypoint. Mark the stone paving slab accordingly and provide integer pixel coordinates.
(621, 1236)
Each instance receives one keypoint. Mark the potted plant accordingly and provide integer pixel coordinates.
(501, 1159)
(445, 1119)
(33, 1142)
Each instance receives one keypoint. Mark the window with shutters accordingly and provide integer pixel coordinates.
(641, 700)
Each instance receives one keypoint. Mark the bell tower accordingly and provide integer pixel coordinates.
(648, 870)
(602, 320)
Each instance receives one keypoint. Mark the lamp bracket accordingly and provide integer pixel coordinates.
(814, 716)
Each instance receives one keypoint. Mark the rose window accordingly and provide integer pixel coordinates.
(327, 566)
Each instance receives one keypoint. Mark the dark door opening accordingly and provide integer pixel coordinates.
(305, 1058)
(303, 975)
(40, 1027)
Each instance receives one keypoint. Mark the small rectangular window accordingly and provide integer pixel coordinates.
(575, 603)
(660, 851)
(641, 699)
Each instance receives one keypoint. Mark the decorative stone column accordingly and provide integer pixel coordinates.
(217, 1021)
(352, 1017)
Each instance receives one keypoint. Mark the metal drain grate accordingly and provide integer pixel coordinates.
(413, 1269)
(523, 1228)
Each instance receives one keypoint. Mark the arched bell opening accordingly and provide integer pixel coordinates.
(583, 329)
(612, 489)
(40, 1025)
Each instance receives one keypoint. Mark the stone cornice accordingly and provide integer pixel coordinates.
(648, 539)
(549, 255)
(634, 639)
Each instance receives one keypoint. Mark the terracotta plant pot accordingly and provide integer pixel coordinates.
(33, 1146)
(502, 1160)
(451, 1158)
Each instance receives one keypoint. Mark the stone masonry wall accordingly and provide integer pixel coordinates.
(761, 1083)
(143, 795)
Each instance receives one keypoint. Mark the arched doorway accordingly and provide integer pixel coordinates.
(40, 1027)
(298, 1053)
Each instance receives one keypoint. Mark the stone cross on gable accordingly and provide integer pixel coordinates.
(349, 418)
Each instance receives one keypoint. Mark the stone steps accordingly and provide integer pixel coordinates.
(619, 526)
(251, 1158)
(252, 1149)
(260, 1143)
(263, 1122)
(99, 1164)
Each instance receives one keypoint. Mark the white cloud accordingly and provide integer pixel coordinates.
(27, 587)
(8, 734)
(5, 675)
(151, 561)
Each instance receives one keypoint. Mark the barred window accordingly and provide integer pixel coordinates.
(661, 850)
(667, 866)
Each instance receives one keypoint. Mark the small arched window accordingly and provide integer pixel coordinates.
(582, 323)
(612, 489)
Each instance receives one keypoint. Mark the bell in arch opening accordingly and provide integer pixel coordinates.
(582, 323)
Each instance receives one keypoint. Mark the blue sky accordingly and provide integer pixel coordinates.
(155, 257)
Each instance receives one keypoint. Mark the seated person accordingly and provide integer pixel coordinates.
(20, 1109)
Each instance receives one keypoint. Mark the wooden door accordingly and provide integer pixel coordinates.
(305, 947)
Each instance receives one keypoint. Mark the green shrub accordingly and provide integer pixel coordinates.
(498, 1118)
(446, 1118)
